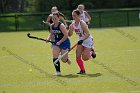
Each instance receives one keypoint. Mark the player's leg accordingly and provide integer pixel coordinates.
(65, 58)
(56, 51)
(88, 50)
(65, 46)
(93, 53)
(79, 61)
(86, 54)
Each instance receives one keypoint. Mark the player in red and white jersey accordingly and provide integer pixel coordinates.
(85, 43)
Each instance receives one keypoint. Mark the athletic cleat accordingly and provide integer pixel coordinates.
(81, 72)
(57, 74)
(93, 54)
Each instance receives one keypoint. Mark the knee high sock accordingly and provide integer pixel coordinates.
(57, 67)
(80, 64)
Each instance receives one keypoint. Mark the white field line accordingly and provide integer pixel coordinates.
(33, 55)
(47, 83)
(48, 55)
(37, 83)
(109, 92)
(26, 84)
(136, 91)
(129, 50)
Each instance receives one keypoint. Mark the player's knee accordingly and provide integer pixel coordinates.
(78, 56)
(64, 60)
(85, 57)
(55, 55)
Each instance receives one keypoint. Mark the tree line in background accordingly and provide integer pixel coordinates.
(14, 6)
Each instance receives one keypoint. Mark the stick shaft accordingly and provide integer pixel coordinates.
(65, 54)
(33, 37)
(60, 57)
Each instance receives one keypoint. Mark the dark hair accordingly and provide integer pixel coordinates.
(61, 14)
(76, 11)
(57, 14)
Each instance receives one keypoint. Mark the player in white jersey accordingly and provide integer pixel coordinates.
(49, 20)
(84, 14)
(85, 41)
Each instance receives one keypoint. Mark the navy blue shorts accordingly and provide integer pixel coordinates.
(64, 45)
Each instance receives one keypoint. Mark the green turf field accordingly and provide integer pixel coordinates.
(115, 70)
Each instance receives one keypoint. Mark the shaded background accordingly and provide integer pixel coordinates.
(10, 6)
(22, 15)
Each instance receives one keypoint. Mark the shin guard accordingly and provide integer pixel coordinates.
(57, 66)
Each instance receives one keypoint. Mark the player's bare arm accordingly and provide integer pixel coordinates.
(64, 31)
(85, 29)
(63, 20)
(87, 15)
(48, 20)
(70, 33)
(50, 37)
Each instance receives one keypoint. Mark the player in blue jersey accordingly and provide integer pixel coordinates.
(59, 35)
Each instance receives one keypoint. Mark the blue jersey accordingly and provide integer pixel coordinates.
(57, 32)
(58, 36)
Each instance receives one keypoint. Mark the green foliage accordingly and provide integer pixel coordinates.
(43, 6)
(7, 6)
(88, 5)
(7, 24)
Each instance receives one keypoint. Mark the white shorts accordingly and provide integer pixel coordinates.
(88, 43)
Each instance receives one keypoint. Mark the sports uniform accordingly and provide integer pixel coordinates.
(58, 36)
(83, 17)
(84, 14)
(86, 43)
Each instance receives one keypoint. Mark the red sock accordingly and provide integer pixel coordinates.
(80, 64)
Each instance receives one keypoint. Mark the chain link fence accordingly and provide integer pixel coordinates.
(100, 18)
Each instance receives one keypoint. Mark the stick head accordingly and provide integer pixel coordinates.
(28, 34)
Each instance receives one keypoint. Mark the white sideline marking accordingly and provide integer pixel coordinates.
(109, 92)
(137, 91)
(25, 84)
(35, 83)
(33, 55)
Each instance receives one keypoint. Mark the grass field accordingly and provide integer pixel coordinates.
(115, 70)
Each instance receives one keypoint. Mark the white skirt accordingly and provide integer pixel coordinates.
(88, 42)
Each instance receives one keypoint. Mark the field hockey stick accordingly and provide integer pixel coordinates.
(64, 54)
(69, 21)
(44, 22)
(33, 37)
